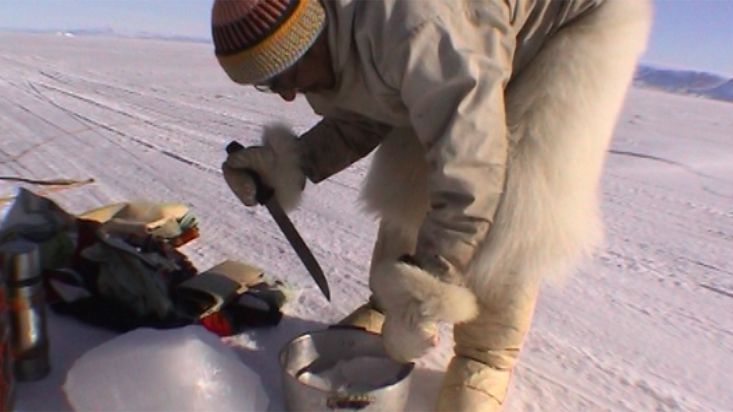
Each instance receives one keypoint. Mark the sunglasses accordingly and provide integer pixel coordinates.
(266, 86)
(286, 79)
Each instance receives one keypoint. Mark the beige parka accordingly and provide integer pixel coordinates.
(440, 68)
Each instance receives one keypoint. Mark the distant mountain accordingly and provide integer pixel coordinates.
(109, 32)
(723, 92)
(155, 36)
(105, 31)
(686, 82)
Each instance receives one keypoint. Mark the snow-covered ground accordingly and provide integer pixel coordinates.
(647, 325)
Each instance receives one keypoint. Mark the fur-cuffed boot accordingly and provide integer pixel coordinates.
(486, 350)
(367, 316)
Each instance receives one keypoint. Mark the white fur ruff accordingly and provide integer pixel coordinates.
(561, 111)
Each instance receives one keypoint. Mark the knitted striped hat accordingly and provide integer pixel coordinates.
(255, 40)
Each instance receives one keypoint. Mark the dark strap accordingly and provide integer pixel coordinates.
(257, 307)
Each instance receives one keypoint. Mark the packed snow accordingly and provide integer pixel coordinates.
(134, 372)
(646, 325)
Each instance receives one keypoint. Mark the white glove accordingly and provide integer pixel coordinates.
(276, 162)
(414, 301)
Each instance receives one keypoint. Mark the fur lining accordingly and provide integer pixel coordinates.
(417, 295)
(561, 111)
(286, 177)
(396, 188)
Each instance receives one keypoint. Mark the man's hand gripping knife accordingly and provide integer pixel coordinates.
(414, 300)
(276, 162)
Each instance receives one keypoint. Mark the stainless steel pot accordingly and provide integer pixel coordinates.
(323, 349)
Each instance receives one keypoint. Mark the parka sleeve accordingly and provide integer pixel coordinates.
(451, 79)
(334, 144)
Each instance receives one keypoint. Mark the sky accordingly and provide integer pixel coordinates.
(692, 34)
(687, 34)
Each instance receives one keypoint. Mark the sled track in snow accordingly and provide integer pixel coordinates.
(171, 111)
(681, 166)
(667, 161)
(721, 292)
(111, 129)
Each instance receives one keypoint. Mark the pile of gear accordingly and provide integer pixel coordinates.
(120, 267)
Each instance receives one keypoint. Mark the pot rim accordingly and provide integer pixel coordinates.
(404, 373)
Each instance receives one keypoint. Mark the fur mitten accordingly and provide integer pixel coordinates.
(277, 162)
(414, 300)
(405, 342)
(416, 295)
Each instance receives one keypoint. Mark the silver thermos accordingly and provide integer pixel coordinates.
(7, 378)
(21, 268)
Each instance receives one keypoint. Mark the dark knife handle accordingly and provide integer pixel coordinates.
(263, 193)
(234, 146)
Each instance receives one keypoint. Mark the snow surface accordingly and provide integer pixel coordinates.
(645, 326)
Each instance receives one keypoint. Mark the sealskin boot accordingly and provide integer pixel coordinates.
(486, 350)
(469, 385)
(366, 316)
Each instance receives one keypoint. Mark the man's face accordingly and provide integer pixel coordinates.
(313, 72)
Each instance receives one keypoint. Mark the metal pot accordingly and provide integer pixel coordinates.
(323, 349)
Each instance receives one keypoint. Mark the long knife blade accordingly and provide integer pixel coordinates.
(304, 253)
(266, 196)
